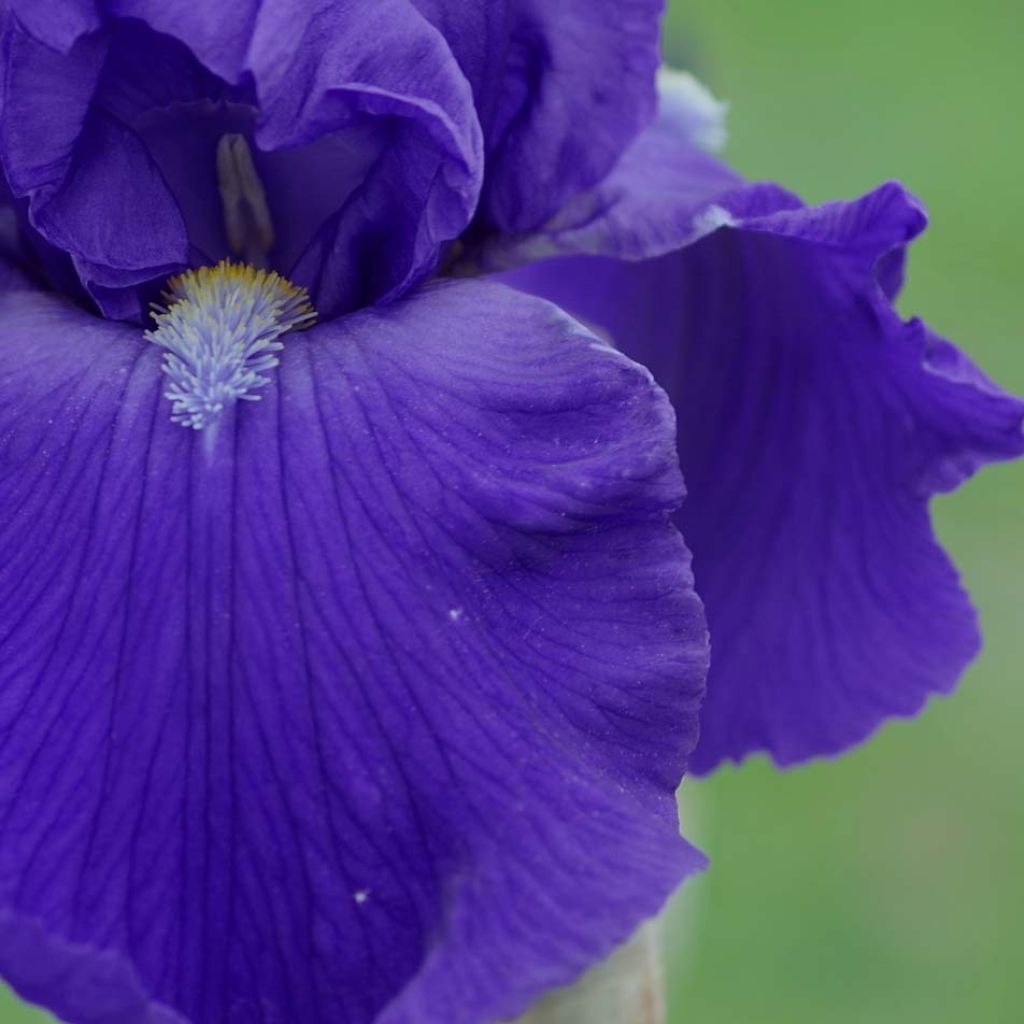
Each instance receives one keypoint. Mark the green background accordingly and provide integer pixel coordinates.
(887, 886)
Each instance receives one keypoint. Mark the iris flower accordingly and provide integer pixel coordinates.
(350, 653)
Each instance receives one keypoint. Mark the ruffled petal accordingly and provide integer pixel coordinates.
(60, 24)
(665, 192)
(45, 99)
(113, 245)
(561, 88)
(84, 176)
(366, 133)
(370, 709)
(384, 62)
(814, 426)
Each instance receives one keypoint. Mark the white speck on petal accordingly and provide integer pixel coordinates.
(711, 219)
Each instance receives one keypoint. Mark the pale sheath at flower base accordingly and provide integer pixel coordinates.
(349, 668)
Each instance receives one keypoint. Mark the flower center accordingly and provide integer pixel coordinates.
(220, 329)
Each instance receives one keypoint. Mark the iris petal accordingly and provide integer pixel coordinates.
(814, 426)
(373, 713)
(561, 90)
(418, 93)
(361, 106)
(665, 192)
(109, 246)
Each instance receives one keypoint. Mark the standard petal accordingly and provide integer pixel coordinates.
(362, 123)
(45, 99)
(665, 192)
(84, 176)
(561, 88)
(94, 215)
(348, 64)
(372, 709)
(814, 426)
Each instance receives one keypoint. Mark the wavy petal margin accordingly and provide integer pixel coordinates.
(371, 710)
(814, 426)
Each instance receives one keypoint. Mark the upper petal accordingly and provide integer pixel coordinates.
(666, 191)
(350, 63)
(814, 425)
(561, 89)
(371, 711)
(363, 125)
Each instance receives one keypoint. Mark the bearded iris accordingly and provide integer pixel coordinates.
(366, 700)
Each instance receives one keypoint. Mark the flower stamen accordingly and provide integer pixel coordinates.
(220, 327)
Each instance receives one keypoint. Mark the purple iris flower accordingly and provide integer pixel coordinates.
(349, 651)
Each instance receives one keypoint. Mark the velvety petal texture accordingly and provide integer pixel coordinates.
(368, 705)
(814, 426)
(362, 125)
(561, 89)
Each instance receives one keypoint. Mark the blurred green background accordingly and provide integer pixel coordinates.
(887, 887)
